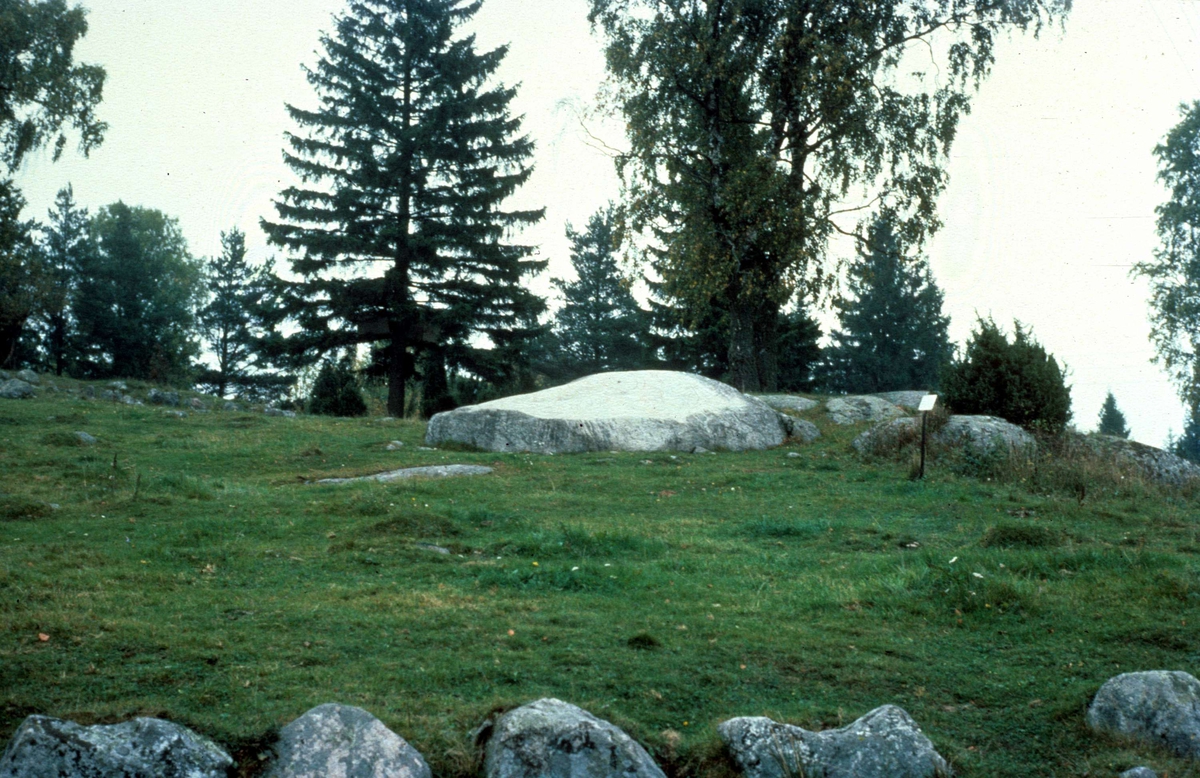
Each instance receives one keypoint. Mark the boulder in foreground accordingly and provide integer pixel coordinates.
(885, 743)
(45, 747)
(16, 389)
(644, 410)
(341, 740)
(1161, 707)
(555, 739)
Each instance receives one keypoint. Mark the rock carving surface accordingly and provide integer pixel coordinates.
(341, 741)
(885, 743)
(788, 402)
(554, 739)
(434, 471)
(644, 410)
(44, 747)
(859, 409)
(1158, 706)
(984, 434)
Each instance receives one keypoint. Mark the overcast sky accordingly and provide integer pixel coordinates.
(1052, 191)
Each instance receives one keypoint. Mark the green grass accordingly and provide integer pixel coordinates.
(189, 571)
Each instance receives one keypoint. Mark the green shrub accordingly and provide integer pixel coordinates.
(1015, 380)
(336, 392)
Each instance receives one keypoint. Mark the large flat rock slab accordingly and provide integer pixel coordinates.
(432, 471)
(644, 410)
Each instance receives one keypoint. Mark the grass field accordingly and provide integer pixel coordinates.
(188, 571)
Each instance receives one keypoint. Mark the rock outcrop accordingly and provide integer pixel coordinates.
(341, 740)
(1152, 463)
(45, 747)
(909, 399)
(1158, 706)
(16, 389)
(159, 397)
(984, 434)
(885, 743)
(855, 409)
(645, 410)
(788, 402)
(554, 739)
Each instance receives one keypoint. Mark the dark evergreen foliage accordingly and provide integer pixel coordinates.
(238, 321)
(68, 247)
(1112, 421)
(22, 275)
(136, 300)
(892, 333)
(397, 227)
(41, 87)
(799, 353)
(336, 392)
(600, 326)
(1015, 380)
(1187, 445)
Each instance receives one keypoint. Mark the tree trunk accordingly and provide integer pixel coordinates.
(766, 345)
(743, 366)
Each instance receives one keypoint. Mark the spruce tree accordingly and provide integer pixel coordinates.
(237, 321)
(67, 247)
(1112, 421)
(600, 325)
(892, 333)
(22, 275)
(397, 227)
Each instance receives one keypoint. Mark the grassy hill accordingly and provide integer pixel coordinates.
(185, 568)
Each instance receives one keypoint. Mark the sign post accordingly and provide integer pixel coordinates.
(927, 403)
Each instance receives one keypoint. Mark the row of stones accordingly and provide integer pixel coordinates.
(550, 738)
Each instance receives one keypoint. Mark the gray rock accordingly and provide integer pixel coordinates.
(645, 410)
(341, 740)
(788, 402)
(197, 404)
(395, 445)
(88, 393)
(130, 401)
(434, 471)
(176, 414)
(554, 739)
(1139, 772)
(86, 439)
(889, 437)
(16, 389)
(230, 406)
(159, 397)
(1159, 706)
(859, 409)
(29, 377)
(1152, 463)
(119, 386)
(279, 412)
(984, 434)
(885, 743)
(434, 548)
(44, 747)
(5, 375)
(799, 428)
(909, 399)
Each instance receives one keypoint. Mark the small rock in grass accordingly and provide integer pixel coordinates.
(279, 412)
(342, 740)
(176, 414)
(159, 397)
(29, 377)
(885, 743)
(145, 747)
(86, 439)
(16, 389)
(435, 549)
(793, 455)
(435, 471)
(1139, 772)
(699, 450)
(395, 445)
(554, 739)
(230, 406)
(197, 404)
(1158, 706)
(119, 386)
(88, 393)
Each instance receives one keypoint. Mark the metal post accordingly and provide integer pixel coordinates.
(924, 415)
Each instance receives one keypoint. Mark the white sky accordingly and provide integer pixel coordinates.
(1052, 191)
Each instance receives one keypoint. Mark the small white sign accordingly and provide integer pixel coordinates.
(927, 402)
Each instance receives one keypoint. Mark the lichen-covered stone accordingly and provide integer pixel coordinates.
(788, 402)
(16, 389)
(885, 743)
(1158, 706)
(984, 435)
(801, 429)
(342, 741)
(159, 397)
(29, 377)
(643, 410)
(45, 747)
(554, 739)
(855, 409)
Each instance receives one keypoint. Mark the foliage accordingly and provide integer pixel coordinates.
(397, 225)
(22, 272)
(600, 326)
(1187, 445)
(1174, 273)
(1015, 380)
(1112, 421)
(336, 392)
(137, 296)
(799, 353)
(236, 321)
(751, 122)
(892, 333)
(43, 89)
(68, 247)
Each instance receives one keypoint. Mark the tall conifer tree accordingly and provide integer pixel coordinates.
(1112, 421)
(893, 334)
(397, 226)
(67, 247)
